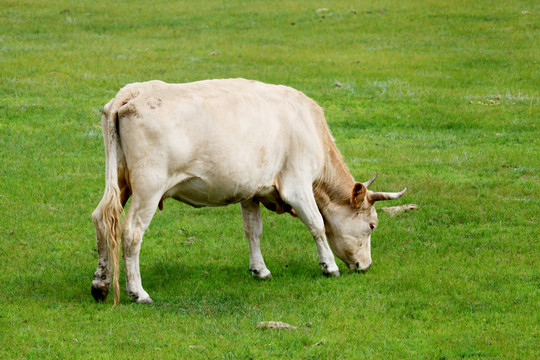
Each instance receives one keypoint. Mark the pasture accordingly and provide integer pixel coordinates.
(440, 97)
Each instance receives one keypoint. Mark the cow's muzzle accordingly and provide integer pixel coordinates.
(359, 268)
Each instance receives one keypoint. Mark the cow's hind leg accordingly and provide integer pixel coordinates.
(251, 216)
(141, 211)
(102, 277)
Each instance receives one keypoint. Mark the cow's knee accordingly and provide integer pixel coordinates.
(97, 217)
(96, 214)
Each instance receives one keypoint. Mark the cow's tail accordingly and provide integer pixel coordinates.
(112, 209)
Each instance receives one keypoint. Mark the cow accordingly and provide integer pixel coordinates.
(221, 142)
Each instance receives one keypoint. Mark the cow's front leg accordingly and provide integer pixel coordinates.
(102, 278)
(251, 217)
(326, 257)
(303, 203)
(140, 214)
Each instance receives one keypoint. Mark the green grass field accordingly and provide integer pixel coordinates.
(441, 97)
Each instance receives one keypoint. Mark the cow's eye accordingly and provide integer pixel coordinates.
(372, 227)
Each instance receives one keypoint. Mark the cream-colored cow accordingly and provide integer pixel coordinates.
(219, 142)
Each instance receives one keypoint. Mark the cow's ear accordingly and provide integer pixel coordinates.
(358, 194)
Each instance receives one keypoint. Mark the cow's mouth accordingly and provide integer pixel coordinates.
(358, 268)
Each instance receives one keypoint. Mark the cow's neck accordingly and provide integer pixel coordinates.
(334, 186)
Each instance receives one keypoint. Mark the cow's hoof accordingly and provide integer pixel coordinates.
(263, 274)
(99, 293)
(329, 271)
(145, 301)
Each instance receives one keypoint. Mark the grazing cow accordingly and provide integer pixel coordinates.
(219, 142)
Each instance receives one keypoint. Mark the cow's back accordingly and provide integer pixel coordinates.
(221, 141)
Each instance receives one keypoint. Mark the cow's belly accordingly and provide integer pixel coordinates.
(200, 192)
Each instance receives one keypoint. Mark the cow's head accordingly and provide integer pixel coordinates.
(349, 231)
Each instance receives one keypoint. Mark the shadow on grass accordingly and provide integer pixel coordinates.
(223, 286)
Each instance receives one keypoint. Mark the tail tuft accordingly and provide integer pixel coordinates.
(112, 214)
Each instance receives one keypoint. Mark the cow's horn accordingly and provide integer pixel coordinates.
(378, 196)
(369, 182)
